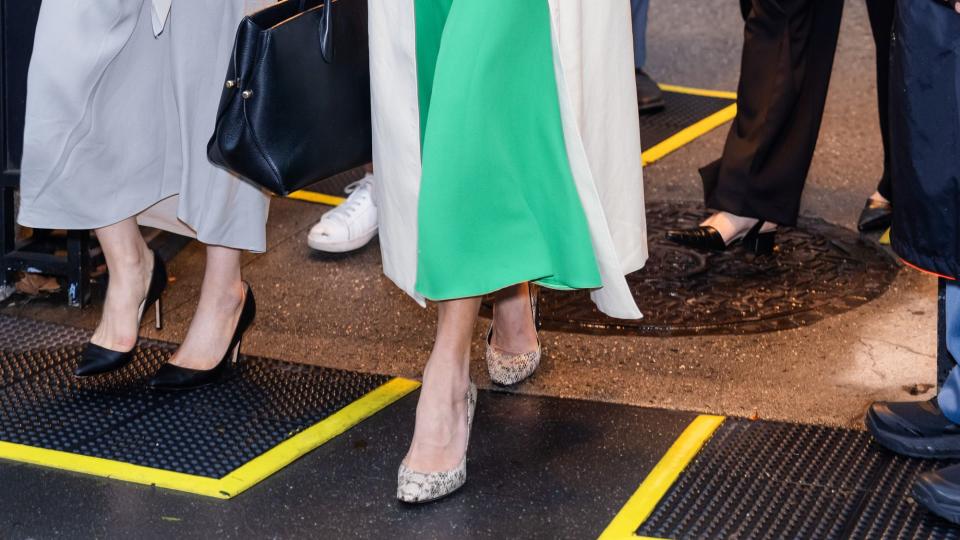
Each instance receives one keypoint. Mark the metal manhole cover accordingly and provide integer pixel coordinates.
(818, 270)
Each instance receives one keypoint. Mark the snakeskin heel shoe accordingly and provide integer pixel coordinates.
(417, 487)
(508, 369)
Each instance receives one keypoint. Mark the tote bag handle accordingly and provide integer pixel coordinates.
(325, 32)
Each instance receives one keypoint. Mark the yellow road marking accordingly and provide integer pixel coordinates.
(108, 469)
(885, 239)
(698, 91)
(240, 479)
(689, 134)
(318, 198)
(288, 451)
(643, 502)
(651, 155)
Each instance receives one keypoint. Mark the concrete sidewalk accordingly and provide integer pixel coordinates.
(341, 312)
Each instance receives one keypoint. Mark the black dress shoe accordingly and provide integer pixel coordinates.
(97, 360)
(706, 238)
(649, 96)
(171, 378)
(939, 492)
(876, 215)
(917, 429)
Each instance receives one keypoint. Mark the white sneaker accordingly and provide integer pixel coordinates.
(349, 226)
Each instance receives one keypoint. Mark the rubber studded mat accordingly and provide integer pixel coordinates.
(190, 441)
(689, 114)
(759, 480)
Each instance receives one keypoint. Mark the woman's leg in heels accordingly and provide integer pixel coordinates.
(213, 324)
(440, 437)
(130, 263)
(514, 329)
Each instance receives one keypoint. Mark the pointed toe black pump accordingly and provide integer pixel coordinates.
(876, 216)
(706, 238)
(97, 360)
(171, 378)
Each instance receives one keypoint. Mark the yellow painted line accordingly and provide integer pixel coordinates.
(290, 450)
(651, 155)
(698, 91)
(885, 239)
(643, 502)
(689, 134)
(240, 479)
(318, 198)
(108, 468)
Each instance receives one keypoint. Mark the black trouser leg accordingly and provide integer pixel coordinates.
(881, 23)
(788, 53)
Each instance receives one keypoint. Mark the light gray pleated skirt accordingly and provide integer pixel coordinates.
(118, 120)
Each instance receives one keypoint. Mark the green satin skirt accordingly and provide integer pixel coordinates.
(498, 204)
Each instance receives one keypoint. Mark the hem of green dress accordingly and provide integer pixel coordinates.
(544, 281)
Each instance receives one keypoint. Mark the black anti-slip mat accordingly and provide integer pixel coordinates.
(770, 480)
(206, 433)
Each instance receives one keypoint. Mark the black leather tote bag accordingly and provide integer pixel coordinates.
(296, 103)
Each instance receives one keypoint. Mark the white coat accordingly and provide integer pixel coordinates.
(593, 57)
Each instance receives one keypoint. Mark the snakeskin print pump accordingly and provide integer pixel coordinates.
(508, 369)
(419, 487)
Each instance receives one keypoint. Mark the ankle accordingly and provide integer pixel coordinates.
(125, 343)
(877, 197)
(131, 268)
(730, 225)
(449, 380)
(228, 298)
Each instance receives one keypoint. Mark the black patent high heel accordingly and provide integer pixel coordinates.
(97, 360)
(707, 238)
(760, 243)
(171, 378)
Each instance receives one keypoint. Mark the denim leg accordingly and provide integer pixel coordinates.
(640, 8)
(949, 396)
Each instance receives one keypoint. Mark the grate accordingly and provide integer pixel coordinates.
(819, 270)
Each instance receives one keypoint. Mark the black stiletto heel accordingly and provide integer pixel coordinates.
(171, 378)
(760, 243)
(158, 314)
(97, 360)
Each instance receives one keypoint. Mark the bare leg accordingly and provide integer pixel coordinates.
(513, 328)
(876, 194)
(213, 324)
(130, 263)
(440, 436)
